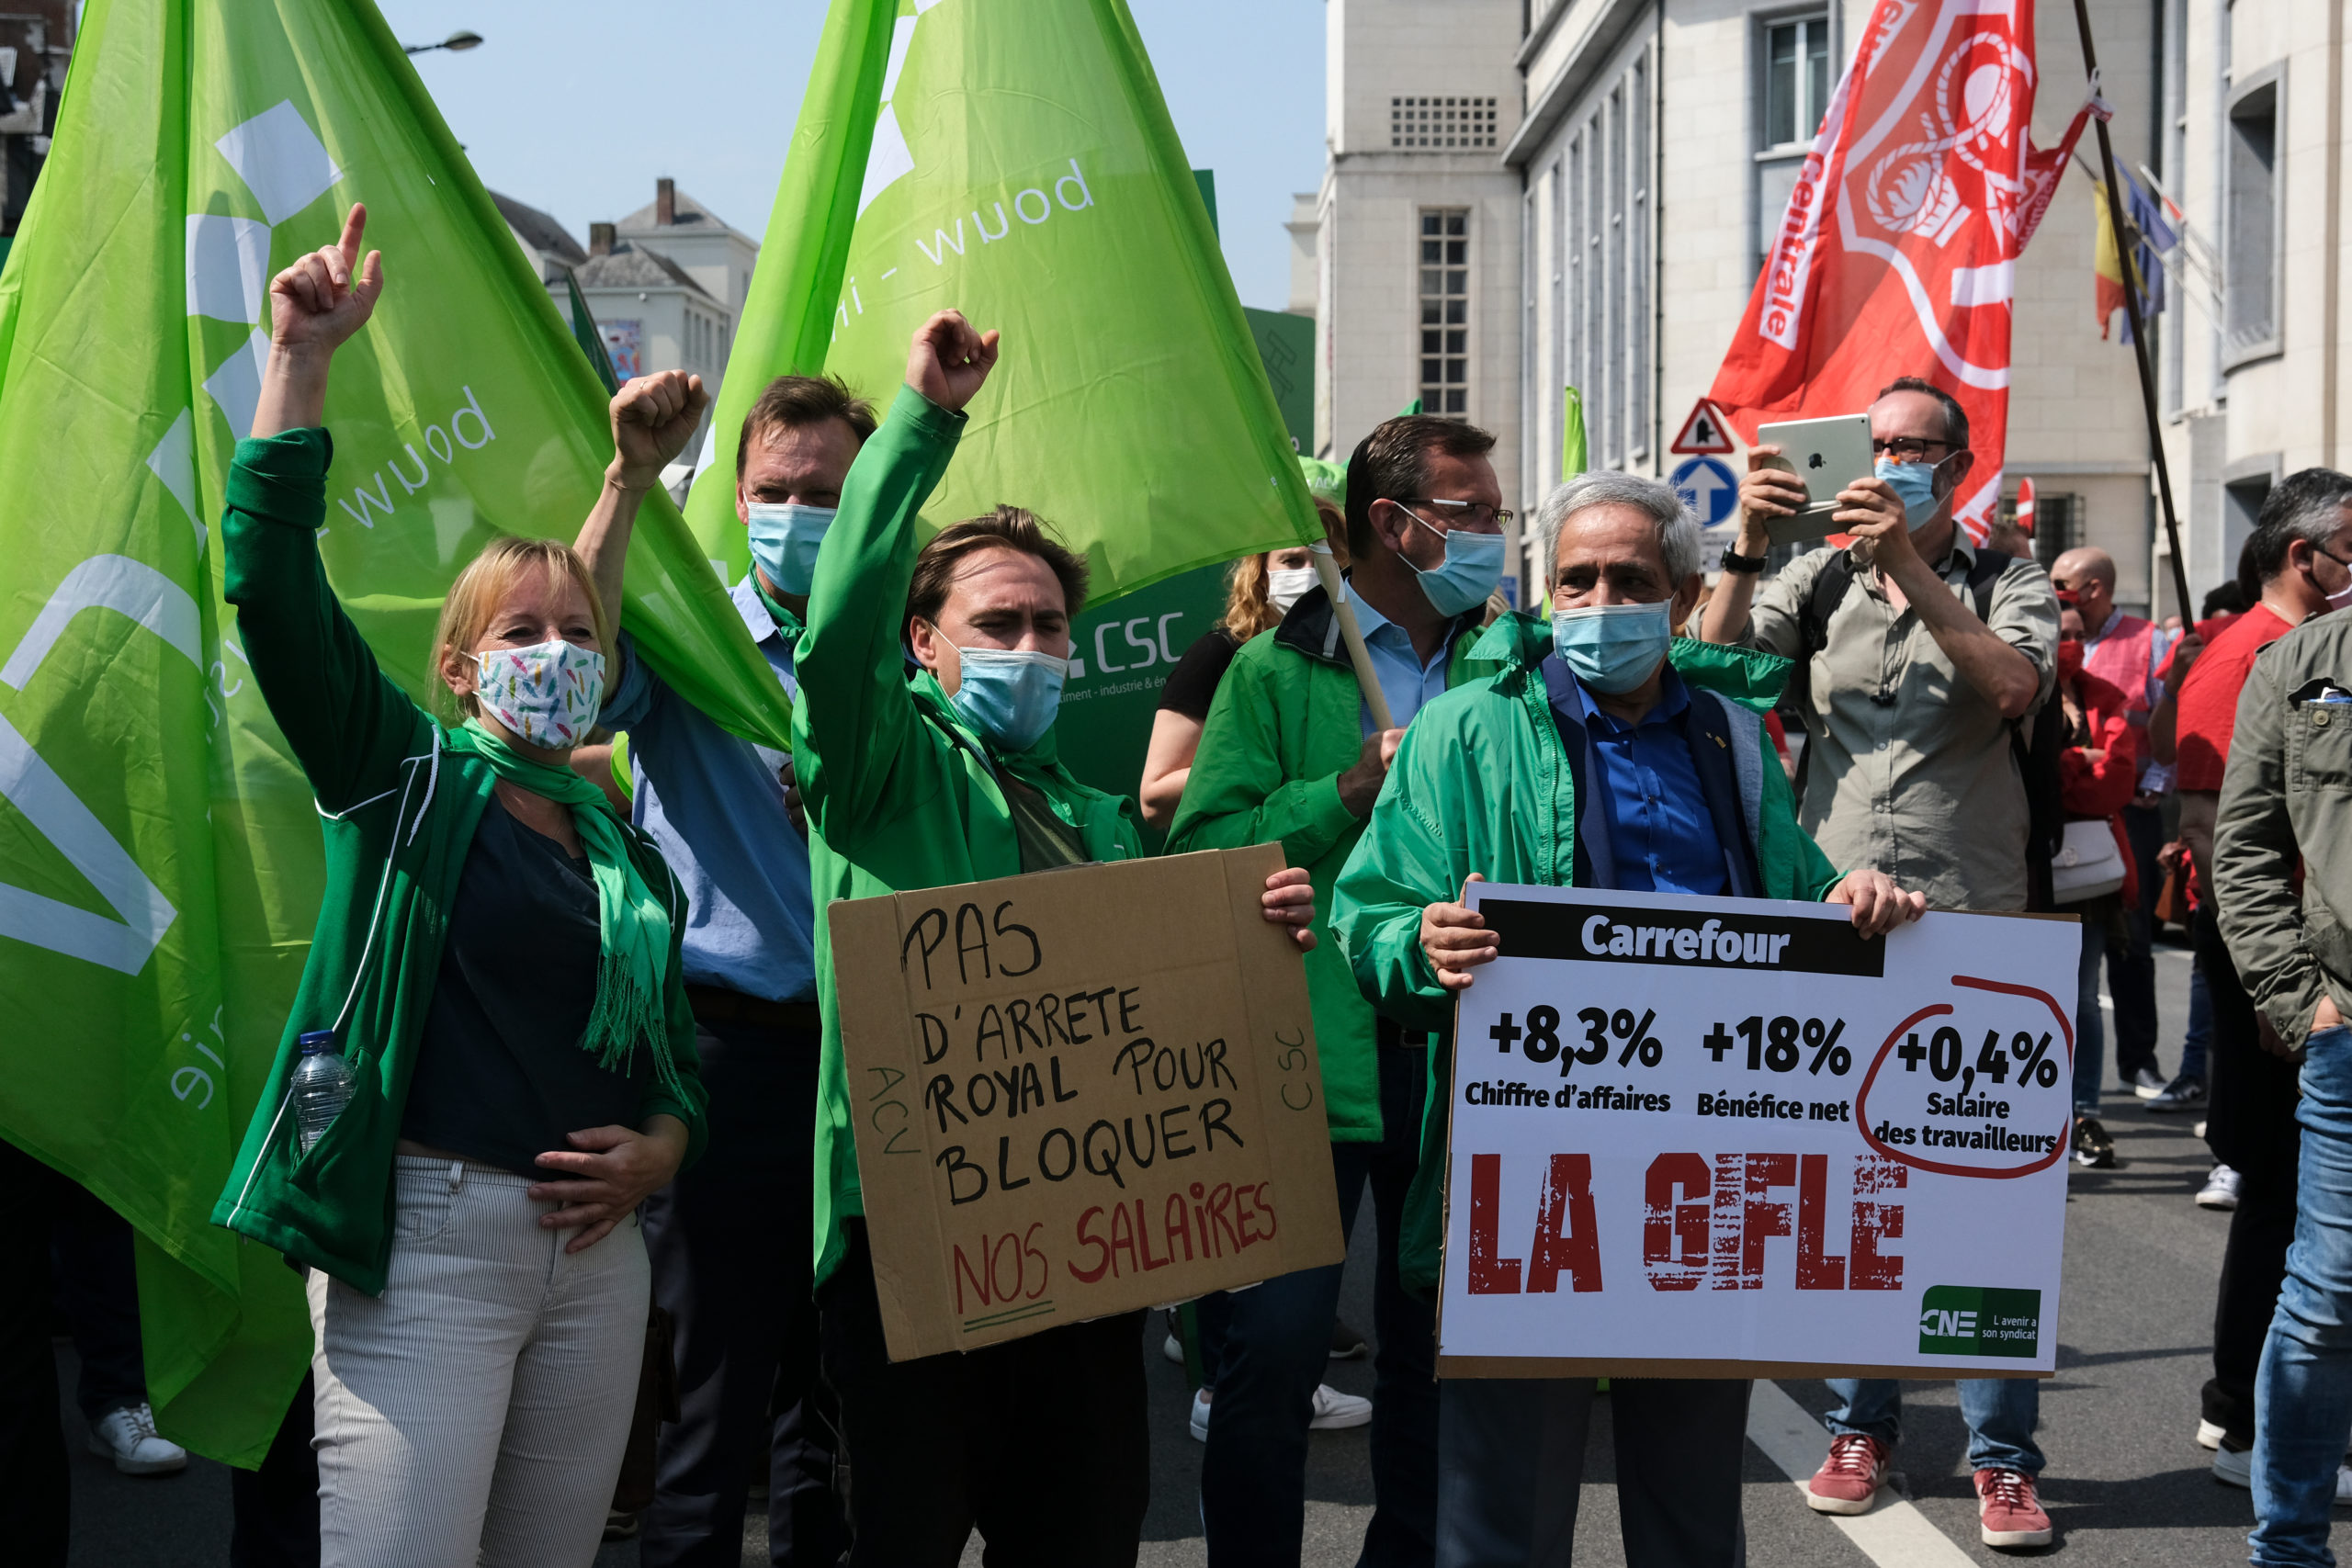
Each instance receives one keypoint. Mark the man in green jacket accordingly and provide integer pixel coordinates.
(1582, 761)
(946, 775)
(2286, 812)
(1291, 753)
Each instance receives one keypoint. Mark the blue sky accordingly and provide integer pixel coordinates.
(577, 107)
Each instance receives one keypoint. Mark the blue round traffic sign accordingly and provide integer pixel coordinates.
(1707, 487)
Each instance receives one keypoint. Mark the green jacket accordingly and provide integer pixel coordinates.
(2288, 793)
(399, 812)
(1286, 723)
(901, 792)
(1483, 783)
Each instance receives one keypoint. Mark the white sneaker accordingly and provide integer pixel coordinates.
(2209, 1434)
(2237, 1470)
(1199, 1424)
(129, 1438)
(1173, 1349)
(1334, 1410)
(2220, 1189)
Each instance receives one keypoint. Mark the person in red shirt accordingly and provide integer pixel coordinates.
(2097, 773)
(2124, 651)
(2250, 1124)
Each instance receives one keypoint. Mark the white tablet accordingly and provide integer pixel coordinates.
(1827, 454)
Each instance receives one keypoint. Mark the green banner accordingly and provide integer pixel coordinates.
(1023, 168)
(162, 853)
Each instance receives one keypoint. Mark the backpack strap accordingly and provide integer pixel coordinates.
(1829, 589)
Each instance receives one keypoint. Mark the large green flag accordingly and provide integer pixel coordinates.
(159, 856)
(1017, 162)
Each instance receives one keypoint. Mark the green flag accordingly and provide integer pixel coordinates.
(159, 856)
(1023, 168)
(1573, 461)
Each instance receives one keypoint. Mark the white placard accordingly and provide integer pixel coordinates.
(1712, 1137)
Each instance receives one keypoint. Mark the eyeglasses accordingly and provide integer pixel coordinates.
(1904, 448)
(1475, 516)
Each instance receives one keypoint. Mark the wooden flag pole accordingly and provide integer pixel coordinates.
(2124, 256)
(1327, 571)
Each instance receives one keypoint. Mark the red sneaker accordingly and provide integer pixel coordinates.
(1850, 1479)
(2007, 1512)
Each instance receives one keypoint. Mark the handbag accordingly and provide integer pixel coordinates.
(2087, 864)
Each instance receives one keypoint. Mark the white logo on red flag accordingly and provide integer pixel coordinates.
(1896, 255)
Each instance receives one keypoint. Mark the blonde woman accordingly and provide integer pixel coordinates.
(496, 965)
(1259, 591)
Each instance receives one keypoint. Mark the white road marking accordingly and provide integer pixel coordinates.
(1896, 1534)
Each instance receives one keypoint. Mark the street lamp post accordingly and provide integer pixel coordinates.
(456, 43)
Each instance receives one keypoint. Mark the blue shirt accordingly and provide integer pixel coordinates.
(1404, 680)
(714, 805)
(1660, 831)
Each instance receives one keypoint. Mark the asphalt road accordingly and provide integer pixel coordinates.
(2126, 1483)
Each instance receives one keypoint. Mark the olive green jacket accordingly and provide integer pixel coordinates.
(2287, 795)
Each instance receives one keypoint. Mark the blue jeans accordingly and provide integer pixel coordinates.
(1265, 1348)
(2199, 1038)
(2001, 1413)
(2302, 1397)
(2090, 1032)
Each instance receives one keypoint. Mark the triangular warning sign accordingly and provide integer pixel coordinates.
(1704, 432)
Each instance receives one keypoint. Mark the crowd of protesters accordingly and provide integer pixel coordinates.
(607, 1152)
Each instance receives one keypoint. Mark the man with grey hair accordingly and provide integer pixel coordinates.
(1922, 657)
(1601, 752)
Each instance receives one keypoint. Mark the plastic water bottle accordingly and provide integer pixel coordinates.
(322, 1086)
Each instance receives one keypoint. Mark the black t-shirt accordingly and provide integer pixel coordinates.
(501, 1074)
(1192, 685)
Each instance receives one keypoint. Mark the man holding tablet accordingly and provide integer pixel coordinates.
(1921, 654)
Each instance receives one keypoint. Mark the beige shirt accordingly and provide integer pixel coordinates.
(1912, 771)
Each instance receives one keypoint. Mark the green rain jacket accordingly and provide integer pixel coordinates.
(1286, 723)
(399, 811)
(901, 792)
(1483, 783)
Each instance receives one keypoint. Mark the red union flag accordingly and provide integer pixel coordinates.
(1898, 251)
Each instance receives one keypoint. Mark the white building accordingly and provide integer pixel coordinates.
(2255, 332)
(1606, 172)
(688, 232)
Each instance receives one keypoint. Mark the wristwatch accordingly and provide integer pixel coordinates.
(1734, 561)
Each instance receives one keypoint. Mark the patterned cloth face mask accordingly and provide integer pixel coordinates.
(547, 694)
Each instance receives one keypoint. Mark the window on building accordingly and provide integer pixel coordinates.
(1436, 125)
(2251, 153)
(1796, 79)
(1639, 167)
(2057, 523)
(1606, 255)
(1445, 311)
(1791, 94)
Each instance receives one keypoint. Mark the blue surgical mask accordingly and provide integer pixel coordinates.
(1915, 485)
(1474, 564)
(1613, 648)
(1010, 694)
(784, 537)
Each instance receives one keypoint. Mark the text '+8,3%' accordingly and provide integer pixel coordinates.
(1604, 1031)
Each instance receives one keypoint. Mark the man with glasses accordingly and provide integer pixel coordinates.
(1291, 753)
(1918, 656)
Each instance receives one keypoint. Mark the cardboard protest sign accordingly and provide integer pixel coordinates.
(1080, 1092)
(1727, 1137)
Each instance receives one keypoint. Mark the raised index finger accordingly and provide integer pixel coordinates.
(355, 226)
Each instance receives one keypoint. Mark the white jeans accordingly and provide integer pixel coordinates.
(477, 1410)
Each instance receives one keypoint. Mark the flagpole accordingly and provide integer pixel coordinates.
(2126, 257)
(1327, 571)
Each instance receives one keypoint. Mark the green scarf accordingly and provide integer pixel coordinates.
(634, 921)
(786, 621)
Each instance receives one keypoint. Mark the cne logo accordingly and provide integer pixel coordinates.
(1948, 1323)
